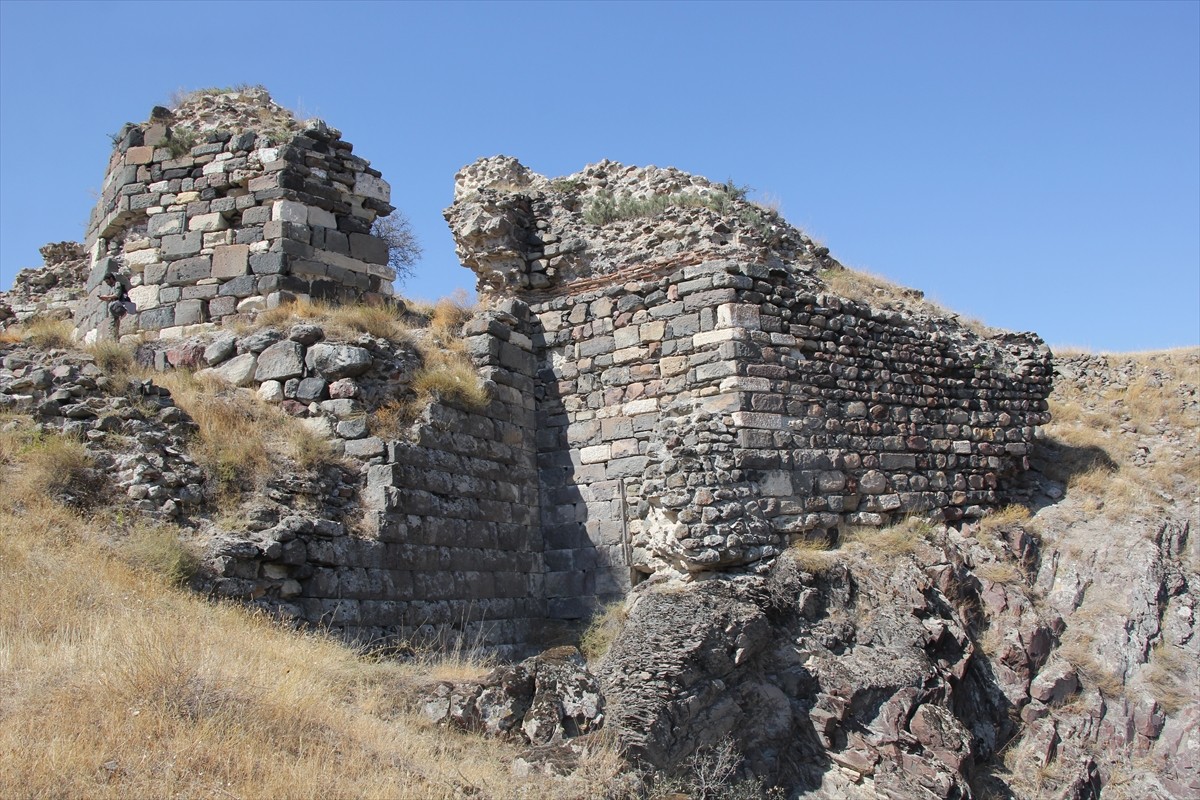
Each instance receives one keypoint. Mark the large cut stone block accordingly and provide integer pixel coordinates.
(230, 261)
(182, 245)
(168, 223)
(189, 270)
(208, 222)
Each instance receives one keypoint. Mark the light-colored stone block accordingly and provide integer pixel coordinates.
(755, 419)
(738, 315)
(369, 186)
(139, 155)
(208, 222)
(138, 260)
(255, 303)
(144, 296)
(230, 261)
(595, 454)
(290, 211)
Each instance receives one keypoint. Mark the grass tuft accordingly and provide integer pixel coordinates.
(602, 631)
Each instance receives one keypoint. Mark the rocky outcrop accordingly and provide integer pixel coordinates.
(543, 700)
(519, 231)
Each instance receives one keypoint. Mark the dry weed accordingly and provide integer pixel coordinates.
(1171, 678)
(115, 360)
(118, 685)
(45, 333)
(604, 628)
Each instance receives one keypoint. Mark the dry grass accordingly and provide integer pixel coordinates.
(115, 360)
(877, 291)
(1146, 400)
(339, 321)
(812, 555)
(446, 377)
(604, 628)
(46, 333)
(240, 441)
(116, 684)
(892, 541)
(447, 374)
(51, 466)
(1171, 678)
(1079, 648)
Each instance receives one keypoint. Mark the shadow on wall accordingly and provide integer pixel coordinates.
(582, 514)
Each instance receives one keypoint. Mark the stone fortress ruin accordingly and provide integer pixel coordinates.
(675, 388)
(227, 205)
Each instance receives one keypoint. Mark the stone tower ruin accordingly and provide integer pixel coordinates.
(229, 204)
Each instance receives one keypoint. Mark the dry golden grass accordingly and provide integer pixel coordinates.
(339, 321)
(448, 374)
(901, 538)
(604, 627)
(1149, 399)
(116, 684)
(875, 290)
(1171, 678)
(812, 555)
(113, 359)
(240, 441)
(448, 378)
(44, 332)
(50, 466)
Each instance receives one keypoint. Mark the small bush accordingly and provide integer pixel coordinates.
(605, 208)
(55, 466)
(116, 361)
(605, 626)
(812, 555)
(1171, 678)
(391, 419)
(159, 548)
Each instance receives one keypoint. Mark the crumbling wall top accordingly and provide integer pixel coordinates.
(522, 232)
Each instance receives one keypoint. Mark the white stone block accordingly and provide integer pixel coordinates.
(738, 315)
(595, 454)
(138, 260)
(290, 211)
(208, 222)
(255, 303)
(713, 337)
(144, 296)
(370, 186)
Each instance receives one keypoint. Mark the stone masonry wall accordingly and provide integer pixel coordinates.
(704, 419)
(229, 205)
(428, 536)
(711, 400)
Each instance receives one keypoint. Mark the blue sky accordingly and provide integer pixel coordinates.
(1034, 165)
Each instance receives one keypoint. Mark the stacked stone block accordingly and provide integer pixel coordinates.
(451, 544)
(705, 418)
(238, 221)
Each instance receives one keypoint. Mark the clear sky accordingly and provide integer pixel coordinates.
(1034, 165)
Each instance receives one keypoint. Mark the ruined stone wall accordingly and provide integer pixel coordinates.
(433, 535)
(712, 400)
(704, 419)
(229, 205)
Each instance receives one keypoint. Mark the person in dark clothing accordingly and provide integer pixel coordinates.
(114, 293)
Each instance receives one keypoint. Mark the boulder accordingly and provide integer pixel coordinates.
(336, 361)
